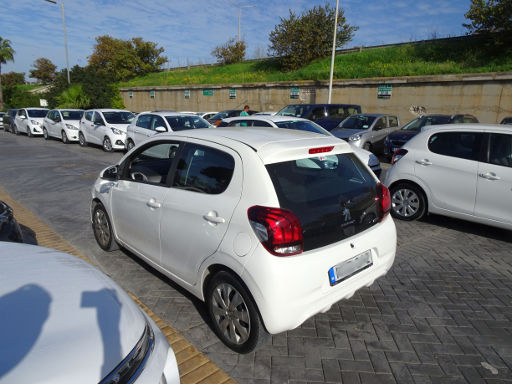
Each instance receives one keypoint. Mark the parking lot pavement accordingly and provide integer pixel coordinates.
(442, 314)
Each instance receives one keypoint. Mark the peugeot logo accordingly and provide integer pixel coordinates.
(346, 214)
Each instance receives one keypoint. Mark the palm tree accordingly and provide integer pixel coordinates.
(6, 54)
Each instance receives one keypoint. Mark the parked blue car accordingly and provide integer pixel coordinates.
(328, 116)
(398, 138)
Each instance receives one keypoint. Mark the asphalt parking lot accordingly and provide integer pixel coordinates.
(443, 314)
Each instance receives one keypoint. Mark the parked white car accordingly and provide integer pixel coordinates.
(147, 124)
(30, 121)
(62, 124)
(297, 123)
(267, 226)
(63, 321)
(457, 170)
(105, 127)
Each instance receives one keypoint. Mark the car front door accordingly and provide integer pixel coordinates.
(98, 128)
(138, 197)
(142, 129)
(379, 132)
(448, 169)
(494, 192)
(206, 188)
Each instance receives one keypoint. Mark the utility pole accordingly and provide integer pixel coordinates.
(333, 51)
(65, 36)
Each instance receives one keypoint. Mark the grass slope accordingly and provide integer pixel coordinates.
(447, 57)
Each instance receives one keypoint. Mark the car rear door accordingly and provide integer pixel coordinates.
(206, 188)
(494, 192)
(448, 168)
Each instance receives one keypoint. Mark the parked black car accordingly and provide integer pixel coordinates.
(216, 119)
(398, 138)
(327, 116)
(507, 121)
(9, 227)
(8, 120)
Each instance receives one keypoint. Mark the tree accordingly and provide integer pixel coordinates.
(13, 78)
(124, 59)
(298, 40)
(491, 18)
(6, 54)
(231, 52)
(73, 97)
(44, 70)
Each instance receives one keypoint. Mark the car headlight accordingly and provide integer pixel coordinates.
(116, 131)
(354, 138)
(35, 122)
(69, 126)
(373, 160)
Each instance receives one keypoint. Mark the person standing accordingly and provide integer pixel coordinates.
(245, 112)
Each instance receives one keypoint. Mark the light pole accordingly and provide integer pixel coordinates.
(333, 51)
(65, 37)
(239, 14)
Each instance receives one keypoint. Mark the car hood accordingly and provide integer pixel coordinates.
(346, 133)
(401, 135)
(63, 321)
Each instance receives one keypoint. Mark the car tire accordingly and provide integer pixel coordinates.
(64, 137)
(239, 328)
(107, 144)
(16, 131)
(102, 228)
(129, 145)
(45, 134)
(81, 140)
(408, 202)
(29, 132)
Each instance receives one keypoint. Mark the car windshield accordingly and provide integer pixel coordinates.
(179, 123)
(37, 112)
(302, 125)
(118, 117)
(357, 122)
(72, 115)
(420, 122)
(293, 110)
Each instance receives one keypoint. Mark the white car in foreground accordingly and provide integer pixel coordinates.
(62, 124)
(30, 121)
(457, 170)
(267, 226)
(105, 127)
(63, 321)
(147, 124)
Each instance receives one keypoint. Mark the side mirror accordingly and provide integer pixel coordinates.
(160, 129)
(23, 117)
(111, 173)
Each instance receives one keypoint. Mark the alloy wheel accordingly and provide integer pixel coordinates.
(405, 202)
(107, 145)
(101, 227)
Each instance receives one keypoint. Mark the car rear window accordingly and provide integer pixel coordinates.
(334, 196)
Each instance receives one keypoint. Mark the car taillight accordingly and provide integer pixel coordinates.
(279, 230)
(383, 201)
(399, 153)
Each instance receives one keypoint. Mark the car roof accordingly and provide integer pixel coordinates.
(37, 108)
(272, 118)
(168, 113)
(476, 127)
(370, 115)
(109, 110)
(271, 144)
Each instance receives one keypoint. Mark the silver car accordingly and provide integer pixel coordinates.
(367, 130)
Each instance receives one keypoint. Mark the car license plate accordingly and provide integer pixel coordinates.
(349, 268)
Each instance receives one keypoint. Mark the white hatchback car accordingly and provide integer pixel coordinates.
(63, 321)
(30, 121)
(62, 124)
(147, 124)
(300, 124)
(457, 170)
(267, 226)
(105, 127)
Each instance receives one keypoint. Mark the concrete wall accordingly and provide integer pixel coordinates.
(487, 96)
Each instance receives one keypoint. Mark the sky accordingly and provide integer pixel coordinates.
(189, 30)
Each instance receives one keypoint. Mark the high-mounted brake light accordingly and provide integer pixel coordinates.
(321, 150)
(383, 201)
(279, 230)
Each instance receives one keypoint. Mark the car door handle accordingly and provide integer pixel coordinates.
(424, 162)
(213, 218)
(152, 203)
(489, 176)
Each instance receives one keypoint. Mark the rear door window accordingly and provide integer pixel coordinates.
(464, 145)
(500, 149)
(88, 115)
(393, 121)
(333, 196)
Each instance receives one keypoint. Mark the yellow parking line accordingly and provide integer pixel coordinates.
(194, 367)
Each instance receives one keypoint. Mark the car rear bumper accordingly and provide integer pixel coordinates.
(289, 290)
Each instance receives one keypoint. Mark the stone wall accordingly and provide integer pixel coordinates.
(487, 96)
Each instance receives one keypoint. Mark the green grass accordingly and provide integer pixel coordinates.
(28, 87)
(447, 57)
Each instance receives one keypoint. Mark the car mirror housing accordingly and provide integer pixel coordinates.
(111, 173)
(160, 129)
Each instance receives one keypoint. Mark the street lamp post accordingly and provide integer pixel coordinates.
(65, 37)
(239, 14)
(333, 51)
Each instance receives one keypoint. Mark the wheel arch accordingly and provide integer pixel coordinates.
(415, 184)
